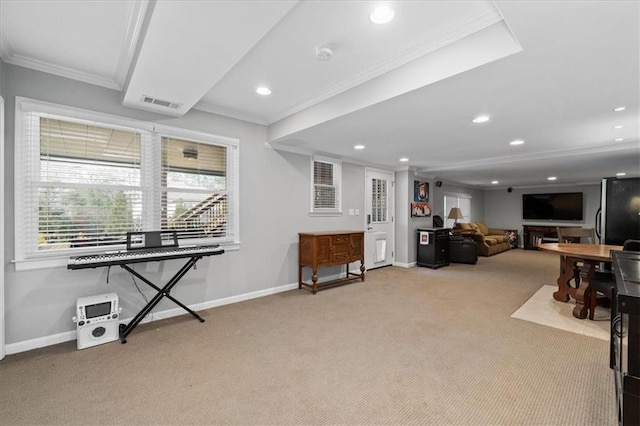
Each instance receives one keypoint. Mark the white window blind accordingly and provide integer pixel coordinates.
(463, 201)
(325, 185)
(82, 184)
(194, 182)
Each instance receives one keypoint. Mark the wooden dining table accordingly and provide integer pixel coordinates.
(575, 258)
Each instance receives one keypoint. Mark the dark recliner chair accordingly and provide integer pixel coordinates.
(605, 283)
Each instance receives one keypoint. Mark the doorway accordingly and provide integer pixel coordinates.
(379, 223)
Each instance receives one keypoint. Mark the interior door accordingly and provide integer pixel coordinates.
(2, 240)
(379, 235)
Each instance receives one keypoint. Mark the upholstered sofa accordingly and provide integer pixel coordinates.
(490, 241)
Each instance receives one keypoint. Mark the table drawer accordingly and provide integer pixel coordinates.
(340, 257)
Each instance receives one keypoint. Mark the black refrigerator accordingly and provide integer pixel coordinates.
(618, 218)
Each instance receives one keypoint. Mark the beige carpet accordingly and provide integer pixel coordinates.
(543, 309)
(406, 347)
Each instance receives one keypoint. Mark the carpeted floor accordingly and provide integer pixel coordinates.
(407, 346)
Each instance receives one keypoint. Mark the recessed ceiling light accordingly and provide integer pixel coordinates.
(619, 126)
(264, 91)
(481, 119)
(619, 139)
(404, 159)
(516, 142)
(358, 147)
(621, 174)
(382, 15)
(618, 109)
(552, 178)
(494, 182)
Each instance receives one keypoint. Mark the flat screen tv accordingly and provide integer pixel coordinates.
(553, 206)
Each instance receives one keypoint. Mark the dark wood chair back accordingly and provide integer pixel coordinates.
(631, 245)
(576, 235)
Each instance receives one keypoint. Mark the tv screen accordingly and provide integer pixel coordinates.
(554, 206)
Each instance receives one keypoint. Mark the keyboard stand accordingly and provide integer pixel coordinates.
(126, 258)
(162, 293)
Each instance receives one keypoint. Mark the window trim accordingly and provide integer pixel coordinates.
(458, 196)
(25, 261)
(337, 174)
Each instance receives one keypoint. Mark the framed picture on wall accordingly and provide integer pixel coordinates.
(420, 209)
(420, 191)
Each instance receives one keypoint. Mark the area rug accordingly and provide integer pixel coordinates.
(543, 309)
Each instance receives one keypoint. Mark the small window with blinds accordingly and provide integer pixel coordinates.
(325, 186)
(379, 201)
(463, 202)
(83, 180)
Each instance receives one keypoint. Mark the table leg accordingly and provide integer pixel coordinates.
(570, 271)
(314, 279)
(566, 275)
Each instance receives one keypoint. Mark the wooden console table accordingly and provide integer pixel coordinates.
(330, 248)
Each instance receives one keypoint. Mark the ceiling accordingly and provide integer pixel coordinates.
(546, 72)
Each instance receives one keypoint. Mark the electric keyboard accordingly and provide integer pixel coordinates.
(123, 257)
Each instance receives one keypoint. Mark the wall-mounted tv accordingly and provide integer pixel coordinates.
(553, 206)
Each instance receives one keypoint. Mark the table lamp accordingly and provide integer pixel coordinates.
(455, 213)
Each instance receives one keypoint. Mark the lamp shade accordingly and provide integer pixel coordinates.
(455, 213)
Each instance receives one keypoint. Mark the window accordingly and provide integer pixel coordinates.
(326, 183)
(463, 201)
(83, 180)
(379, 200)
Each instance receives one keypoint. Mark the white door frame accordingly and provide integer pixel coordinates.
(391, 213)
(2, 233)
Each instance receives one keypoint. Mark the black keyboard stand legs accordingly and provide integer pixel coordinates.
(162, 292)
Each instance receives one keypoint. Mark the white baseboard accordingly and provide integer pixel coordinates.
(404, 265)
(54, 339)
(40, 342)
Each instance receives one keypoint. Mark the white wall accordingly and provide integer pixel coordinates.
(274, 203)
(503, 209)
(407, 226)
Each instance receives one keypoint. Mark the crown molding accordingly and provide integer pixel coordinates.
(49, 68)
(136, 17)
(418, 50)
(135, 22)
(596, 149)
(6, 51)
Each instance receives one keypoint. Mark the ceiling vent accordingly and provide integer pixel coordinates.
(160, 102)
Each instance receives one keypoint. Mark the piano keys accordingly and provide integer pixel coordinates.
(122, 257)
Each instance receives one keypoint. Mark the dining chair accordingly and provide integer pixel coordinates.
(577, 235)
(604, 282)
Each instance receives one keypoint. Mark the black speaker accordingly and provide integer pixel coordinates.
(438, 183)
(509, 189)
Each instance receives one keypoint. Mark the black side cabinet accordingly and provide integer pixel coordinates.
(433, 247)
(625, 335)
